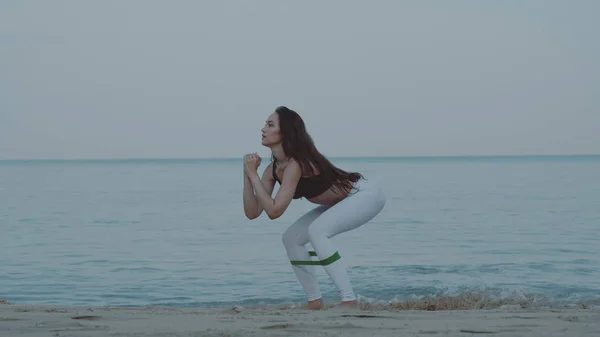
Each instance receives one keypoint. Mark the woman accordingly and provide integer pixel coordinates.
(345, 201)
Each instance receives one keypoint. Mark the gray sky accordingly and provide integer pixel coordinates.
(114, 79)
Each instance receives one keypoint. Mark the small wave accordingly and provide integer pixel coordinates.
(401, 221)
(463, 301)
(105, 221)
(114, 222)
(28, 220)
(469, 300)
(136, 269)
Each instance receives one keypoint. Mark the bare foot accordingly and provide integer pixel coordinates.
(351, 304)
(314, 305)
(346, 305)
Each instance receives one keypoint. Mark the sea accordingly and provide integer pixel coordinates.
(470, 232)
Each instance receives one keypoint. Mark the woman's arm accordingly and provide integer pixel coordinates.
(250, 204)
(276, 207)
(252, 208)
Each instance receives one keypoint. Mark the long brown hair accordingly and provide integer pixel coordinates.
(298, 144)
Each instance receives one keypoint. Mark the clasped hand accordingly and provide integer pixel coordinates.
(251, 163)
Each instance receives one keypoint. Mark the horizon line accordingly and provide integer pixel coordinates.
(331, 157)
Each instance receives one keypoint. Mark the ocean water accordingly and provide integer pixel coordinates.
(482, 231)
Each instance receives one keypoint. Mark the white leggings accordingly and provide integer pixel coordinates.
(322, 223)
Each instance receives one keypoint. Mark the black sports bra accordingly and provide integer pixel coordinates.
(309, 187)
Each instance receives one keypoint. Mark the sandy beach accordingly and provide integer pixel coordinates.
(34, 321)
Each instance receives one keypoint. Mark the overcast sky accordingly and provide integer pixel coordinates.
(115, 79)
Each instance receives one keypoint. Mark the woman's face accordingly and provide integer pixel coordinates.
(271, 134)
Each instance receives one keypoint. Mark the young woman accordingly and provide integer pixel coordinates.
(345, 201)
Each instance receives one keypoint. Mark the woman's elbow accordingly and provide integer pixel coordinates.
(276, 211)
(251, 216)
(274, 214)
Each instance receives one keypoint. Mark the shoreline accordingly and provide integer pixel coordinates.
(466, 300)
(94, 321)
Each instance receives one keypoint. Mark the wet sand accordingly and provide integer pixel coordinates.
(34, 321)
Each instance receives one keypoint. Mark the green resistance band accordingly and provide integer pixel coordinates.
(329, 260)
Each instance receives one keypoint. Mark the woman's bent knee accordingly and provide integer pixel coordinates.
(287, 237)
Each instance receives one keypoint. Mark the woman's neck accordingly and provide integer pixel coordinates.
(279, 154)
